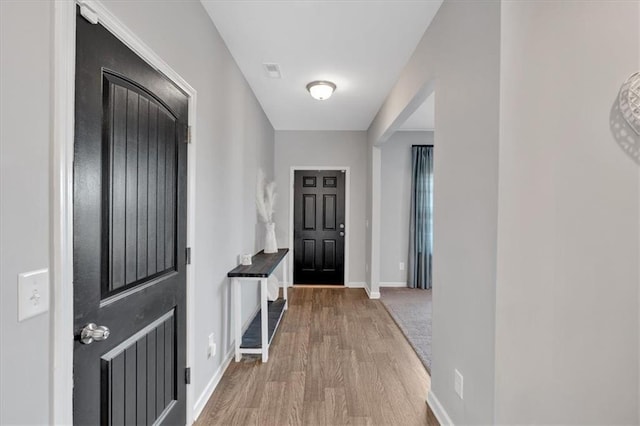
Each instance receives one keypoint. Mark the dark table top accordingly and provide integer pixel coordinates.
(262, 265)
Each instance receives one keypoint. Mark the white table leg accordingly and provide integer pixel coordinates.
(264, 319)
(235, 285)
(285, 273)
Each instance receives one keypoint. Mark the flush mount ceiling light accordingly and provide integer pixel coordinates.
(321, 90)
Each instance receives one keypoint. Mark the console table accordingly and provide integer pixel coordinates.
(258, 336)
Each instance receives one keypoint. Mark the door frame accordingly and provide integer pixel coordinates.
(347, 214)
(61, 261)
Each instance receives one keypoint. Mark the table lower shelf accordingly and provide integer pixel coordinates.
(252, 338)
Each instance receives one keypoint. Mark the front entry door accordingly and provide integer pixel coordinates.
(129, 243)
(319, 228)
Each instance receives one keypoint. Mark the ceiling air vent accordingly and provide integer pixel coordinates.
(273, 70)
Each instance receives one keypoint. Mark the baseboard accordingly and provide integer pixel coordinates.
(201, 402)
(438, 410)
(393, 284)
(213, 383)
(372, 294)
(356, 284)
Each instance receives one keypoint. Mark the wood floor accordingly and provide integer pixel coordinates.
(337, 358)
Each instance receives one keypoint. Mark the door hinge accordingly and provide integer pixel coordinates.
(187, 375)
(188, 255)
(188, 138)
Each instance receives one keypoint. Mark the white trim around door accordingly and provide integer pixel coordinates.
(64, 57)
(64, 34)
(347, 214)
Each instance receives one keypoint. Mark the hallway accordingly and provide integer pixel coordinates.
(338, 358)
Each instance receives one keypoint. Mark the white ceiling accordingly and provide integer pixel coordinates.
(359, 45)
(423, 118)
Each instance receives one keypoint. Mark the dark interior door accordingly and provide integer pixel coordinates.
(129, 243)
(319, 229)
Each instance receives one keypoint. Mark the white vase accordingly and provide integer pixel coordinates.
(270, 243)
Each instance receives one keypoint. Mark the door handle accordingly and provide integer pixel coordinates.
(92, 332)
(341, 234)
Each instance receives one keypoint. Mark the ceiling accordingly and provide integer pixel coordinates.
(361, 46)
(423, 118)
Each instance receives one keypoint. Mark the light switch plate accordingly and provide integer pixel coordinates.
(33, 293)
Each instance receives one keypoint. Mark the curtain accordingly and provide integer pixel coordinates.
(421, 222)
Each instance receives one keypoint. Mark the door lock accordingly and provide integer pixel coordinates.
(93, 332)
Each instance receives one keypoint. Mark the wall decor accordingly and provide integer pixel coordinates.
(265, 204)
(629, 101)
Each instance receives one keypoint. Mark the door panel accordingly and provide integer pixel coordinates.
(309, 255)
(131, 211)
(319, 215)
(129, 236)
(329, 212)
(309, 211)
(141, 374)
(329, 255)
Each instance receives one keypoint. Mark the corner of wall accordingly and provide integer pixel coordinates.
(204, 397)
(441, 59)
(372, 294)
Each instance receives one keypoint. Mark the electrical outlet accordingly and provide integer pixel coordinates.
(401, 266)
(211, 352)
(458, 383)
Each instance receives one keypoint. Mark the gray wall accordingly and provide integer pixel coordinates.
(325, 148)
(396, 203)
(567, 282)
(558, 285)
(234, 139)
(459, 55)
(25, 84)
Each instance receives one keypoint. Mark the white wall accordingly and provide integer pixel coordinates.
(459, 57)
(234, 139)
(24, 204)
(567, 282)
(368, 218)
(396, 203)
(374, 242)
(325, 148)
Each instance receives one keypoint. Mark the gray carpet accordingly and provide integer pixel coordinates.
(411, 310)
